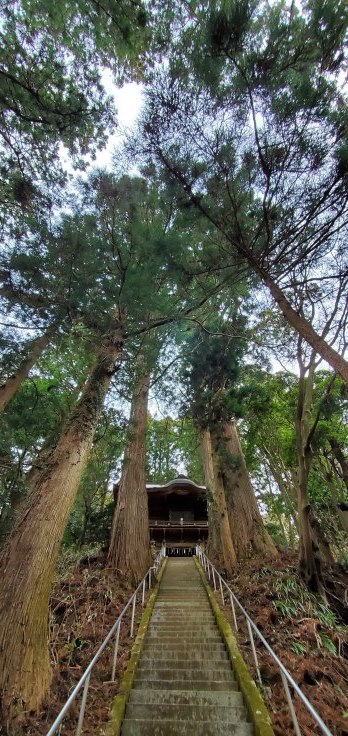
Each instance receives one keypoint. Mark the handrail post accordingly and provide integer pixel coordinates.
(214, 581)
(83, 706)
(133, 615)
(143, 595)
(291, 705)
(221, 590)
(114, 661)
(150, 578)
(233, 612)
(251, 637)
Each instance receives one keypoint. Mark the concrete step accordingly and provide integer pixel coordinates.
(191, 660)
(190, 673)
(160, 649)
(187, 697)
(183, 640)
(184, 621)
(184, 728)
(169, 712)
(185, 630)
(193, 684)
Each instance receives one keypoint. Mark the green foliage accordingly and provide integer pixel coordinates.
(171, 443)
(299, 648)
(51, 81)
(211, 367)
(296, 600)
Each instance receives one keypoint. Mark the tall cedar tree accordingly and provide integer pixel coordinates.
(129, 550)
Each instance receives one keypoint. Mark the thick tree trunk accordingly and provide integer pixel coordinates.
(220, 541)
(11, 386)
(129, 550)
(29, 557)
(248, 530)
(214, 545)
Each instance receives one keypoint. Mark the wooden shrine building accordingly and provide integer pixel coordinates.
(178, 514)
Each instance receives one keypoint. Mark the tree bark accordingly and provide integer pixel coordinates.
(30, 554)
(11, 386)
(248, 530)
(220, 540)
(129, 551)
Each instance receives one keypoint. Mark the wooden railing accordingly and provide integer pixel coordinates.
(179, 523)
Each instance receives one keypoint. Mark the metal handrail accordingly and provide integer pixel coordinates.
(287, 679)
(115, 630)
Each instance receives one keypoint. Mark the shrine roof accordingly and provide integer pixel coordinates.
(180, 484)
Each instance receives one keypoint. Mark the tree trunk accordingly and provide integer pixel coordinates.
(339, 507)
(220, 540)
(323, 542)
(129, 551)
(11, 386)
(214, 545)
(340, 457)
(248, 530)
(305, 329)
(30, 554)
(309, 552)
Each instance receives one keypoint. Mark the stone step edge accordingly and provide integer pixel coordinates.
(188, 711)
(175, 697)
(255, 705)
(223, 686)
(118, 708)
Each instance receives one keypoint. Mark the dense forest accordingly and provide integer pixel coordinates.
(184, 306)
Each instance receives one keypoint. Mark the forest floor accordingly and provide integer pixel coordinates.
(309, 638)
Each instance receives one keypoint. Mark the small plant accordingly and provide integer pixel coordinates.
(284, 608)
(299, 648)
(324, 614)
(328, 643)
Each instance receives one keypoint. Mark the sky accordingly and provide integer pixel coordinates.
(128, 101)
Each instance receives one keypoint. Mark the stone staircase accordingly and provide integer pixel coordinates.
(184, 684)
